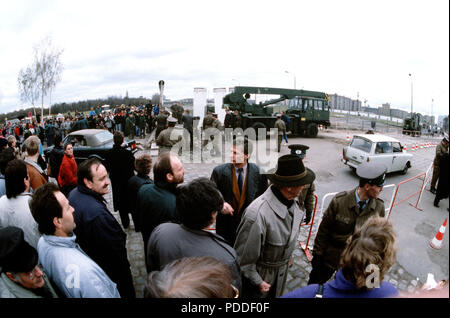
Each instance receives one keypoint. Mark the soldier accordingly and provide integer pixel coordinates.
(207, 123)
(306, 197)
(130, 126)
(237, 121)
(441, 149)
(281, 126)
(347, 212)
(164, 141)
(228, 122)
(161, 123)
(217, 144)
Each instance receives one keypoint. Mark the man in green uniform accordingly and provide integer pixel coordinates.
(164, 141)
(161, 123)
(306, 197)
(441, 149)
(207, 123)
(281, 126)
(347, 211)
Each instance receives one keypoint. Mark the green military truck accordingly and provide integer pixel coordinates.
(306, 109)
(412, 126)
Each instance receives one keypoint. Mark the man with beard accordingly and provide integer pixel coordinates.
(98, 232)
(156, 203)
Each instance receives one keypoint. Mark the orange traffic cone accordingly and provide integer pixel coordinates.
(436, 242)
(404, 147)
(348, 137)
(413, 147)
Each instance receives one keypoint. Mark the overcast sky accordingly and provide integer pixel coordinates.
(366, 48)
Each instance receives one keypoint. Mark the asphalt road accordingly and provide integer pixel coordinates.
(414, 227)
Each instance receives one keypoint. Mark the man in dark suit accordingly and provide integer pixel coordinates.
(120, 163)
(240, 182)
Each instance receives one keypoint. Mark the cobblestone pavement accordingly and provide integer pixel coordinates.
(299, 271)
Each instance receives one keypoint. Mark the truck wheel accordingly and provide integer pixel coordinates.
(312, 130)
(258, 125)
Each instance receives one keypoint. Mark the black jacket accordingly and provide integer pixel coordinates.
(101, 237)
(134, 184)
(55, 157)
(120, 163)
(226, 225)
(155, 204)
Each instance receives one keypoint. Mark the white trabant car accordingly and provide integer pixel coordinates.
(377, 148)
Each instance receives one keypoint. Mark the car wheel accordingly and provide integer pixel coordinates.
(405, 169)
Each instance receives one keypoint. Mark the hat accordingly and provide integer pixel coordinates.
(278, 115)
(299, 150)
(172, 119)
(373, 173)
(16, 255)
(446, 138)
(291, 172)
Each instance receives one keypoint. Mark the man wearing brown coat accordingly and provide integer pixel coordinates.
(37, 175)
(347, 211)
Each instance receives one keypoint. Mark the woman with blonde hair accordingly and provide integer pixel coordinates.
(368, 255)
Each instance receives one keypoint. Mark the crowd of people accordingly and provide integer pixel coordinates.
(58, 238)
(133, 121)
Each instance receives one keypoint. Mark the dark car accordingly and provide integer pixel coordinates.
(88, 142)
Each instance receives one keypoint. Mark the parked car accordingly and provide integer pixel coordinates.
(377, 148)
(88, 142)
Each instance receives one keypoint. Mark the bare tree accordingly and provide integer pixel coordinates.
(28, 88)
(48, 68)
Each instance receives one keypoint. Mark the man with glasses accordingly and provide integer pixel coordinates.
(347, 212)
(20, 275)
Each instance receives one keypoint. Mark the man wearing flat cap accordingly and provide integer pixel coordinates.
(267, 234)
(20, 275)
(164, 140)
(347, 211)
(306, 197)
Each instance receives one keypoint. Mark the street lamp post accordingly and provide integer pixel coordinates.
(411, 95)
(295, 84)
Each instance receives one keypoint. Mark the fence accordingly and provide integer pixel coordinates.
(424, 177)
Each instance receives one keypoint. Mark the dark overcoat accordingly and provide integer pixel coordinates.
(226, 225)
(101, 237)
(120, 164)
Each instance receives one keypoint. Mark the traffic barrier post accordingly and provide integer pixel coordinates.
(305, 246)
(423, 174)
